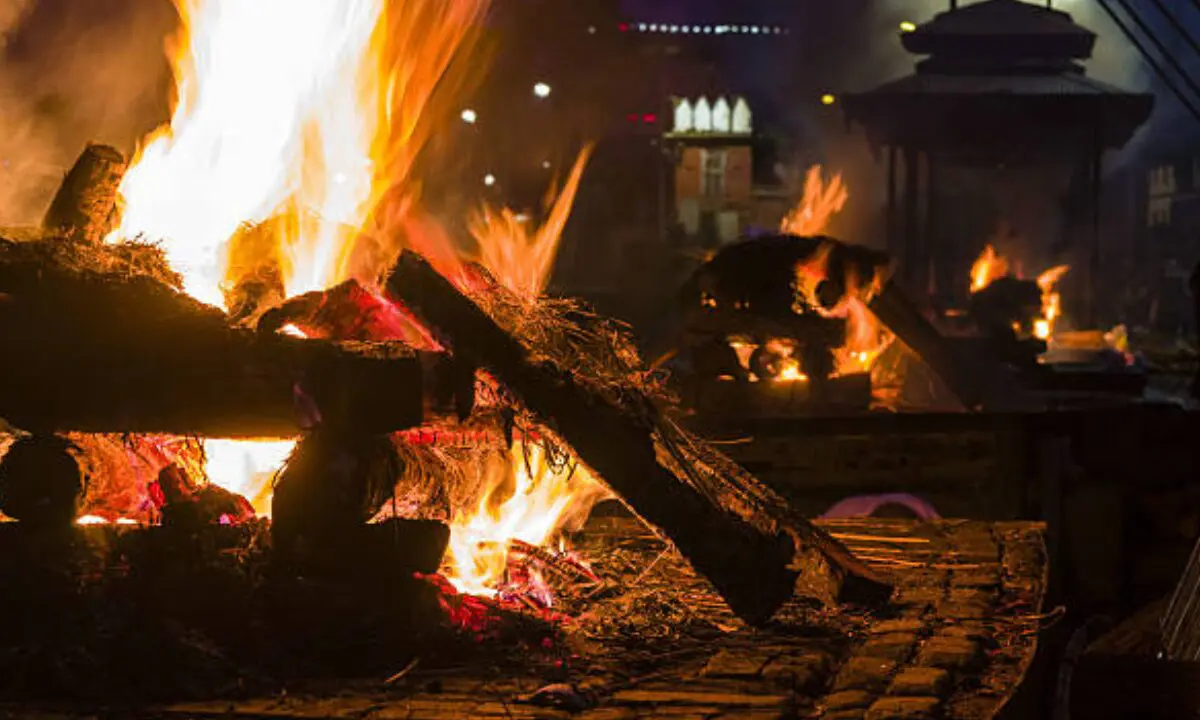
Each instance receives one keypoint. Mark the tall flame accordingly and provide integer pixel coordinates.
(1043, 327)
(521, 259)
(306, 111)
(302, 119)
(817, 206)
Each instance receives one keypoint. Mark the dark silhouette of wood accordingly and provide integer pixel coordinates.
(95, 352)
(749, 563)
(85, 203)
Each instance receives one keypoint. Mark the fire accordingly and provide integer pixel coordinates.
(527, 498)
(1043, 327)
(817, 206)
(300, 119)
(518, 258)
(989, 266)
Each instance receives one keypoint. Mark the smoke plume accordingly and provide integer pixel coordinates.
(73, 72)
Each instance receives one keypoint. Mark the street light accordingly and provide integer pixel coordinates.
(541, 90)
(469, 116)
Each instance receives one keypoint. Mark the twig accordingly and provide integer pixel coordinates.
(403, 673)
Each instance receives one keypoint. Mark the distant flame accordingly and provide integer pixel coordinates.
(817, 206)
(991, 266)
(1043, 327)
(987, 268)
(525, 498)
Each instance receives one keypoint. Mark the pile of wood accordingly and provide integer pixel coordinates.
(98, 350)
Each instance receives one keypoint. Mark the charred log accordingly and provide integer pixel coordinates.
(1004, 311)
(748, 563)
(85, 203)
(41, 483)
(189, 507)
(331, 485)
(977, 381)
(104, 353)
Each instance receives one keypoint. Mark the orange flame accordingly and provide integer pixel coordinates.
(301, 118)
(521, 259)
(817, 206)
(527, 498)
(1043, 327)
(987, 268)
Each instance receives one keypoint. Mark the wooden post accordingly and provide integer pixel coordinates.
(85, 203)
(911, 255)
(1093, 270)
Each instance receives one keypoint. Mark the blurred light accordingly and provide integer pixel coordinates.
(545, 164)
(623, 27)
(641, 27)
(489, 179)
(828, 99)
(754, 30)
(649, 118)
(469, 116)
(631, 118)
(653, 27)
(907, 26)
(591, 29)
(696, 28)
(542, 90)
(685, 29)
(674, 28)
(708, 29)
(521, 218)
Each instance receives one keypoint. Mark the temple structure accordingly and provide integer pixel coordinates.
(1000, 84)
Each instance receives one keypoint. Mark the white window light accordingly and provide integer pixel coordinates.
(742, 119)
(702, 116)
(721, 121)
(683, 116)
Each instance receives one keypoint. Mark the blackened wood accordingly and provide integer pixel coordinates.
(1194, 285)
(85, 203)
(748, 565)
(102, 353)
(41, 483)
(976, 380)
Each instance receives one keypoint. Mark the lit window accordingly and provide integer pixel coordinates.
(683, 117)
(713, 180)
(721, 120)
(702, 116)
(742, 121)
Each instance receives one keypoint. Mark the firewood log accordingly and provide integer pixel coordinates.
(41, 483)
(748, 563)
(103, 353)
(86, 200)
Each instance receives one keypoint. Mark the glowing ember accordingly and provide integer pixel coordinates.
(817, 206)
(526, 498)
(247, 467)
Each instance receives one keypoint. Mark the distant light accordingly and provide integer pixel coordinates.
(696, 28)
(469, 116)
(631, 117)
(542, 90)
(591, 29)
(653, 27)
(521, 218)
(489, 179)
(641, 27)
(828, 99)
(545, 164)
(649, 118)
(708, 29)
(907, 26)
(623, 27)
(685, 29)
(674, 28)
(754, 30)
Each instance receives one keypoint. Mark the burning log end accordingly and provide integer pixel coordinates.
(190, 507)
(85, 204)
(41, 482)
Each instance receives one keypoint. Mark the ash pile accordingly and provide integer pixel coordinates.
(398, 396)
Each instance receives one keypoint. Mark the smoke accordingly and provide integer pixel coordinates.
(1114, 61)
(73, 72)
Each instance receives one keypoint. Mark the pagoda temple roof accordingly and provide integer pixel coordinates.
(1000, 79)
